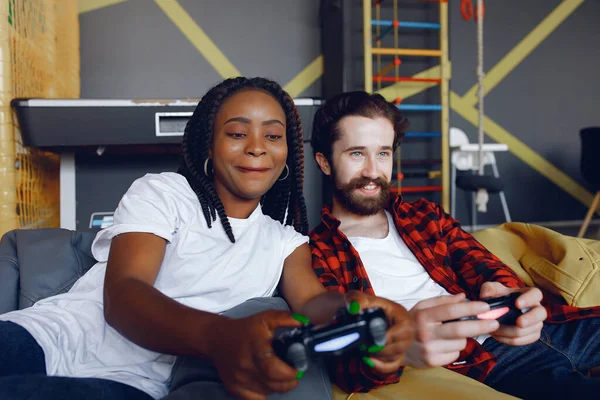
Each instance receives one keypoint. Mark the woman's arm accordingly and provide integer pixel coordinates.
(142, 313)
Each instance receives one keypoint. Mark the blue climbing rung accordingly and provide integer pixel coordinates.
(420, 107)
(407, 24)
(423, 134)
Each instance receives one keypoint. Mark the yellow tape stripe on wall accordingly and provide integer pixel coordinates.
(305, 78)
(91, 5)
(198, 38)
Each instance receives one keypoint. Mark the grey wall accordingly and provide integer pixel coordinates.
(132, 50)
(544, 101)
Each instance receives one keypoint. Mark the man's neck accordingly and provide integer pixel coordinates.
(372, 226)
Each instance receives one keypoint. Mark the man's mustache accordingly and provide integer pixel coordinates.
(363, 181)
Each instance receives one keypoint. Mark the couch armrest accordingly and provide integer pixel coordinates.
(9, 273)
(47, 262)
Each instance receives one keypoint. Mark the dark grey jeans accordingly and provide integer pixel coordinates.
(194, 378)
(23, 374)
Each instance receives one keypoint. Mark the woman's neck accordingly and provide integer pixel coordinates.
(236, 207)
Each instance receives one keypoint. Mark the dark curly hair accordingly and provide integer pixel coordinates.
(286, 196)
(326, 130)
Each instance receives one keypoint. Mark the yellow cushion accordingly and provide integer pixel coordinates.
(563, 265)
(427, 384)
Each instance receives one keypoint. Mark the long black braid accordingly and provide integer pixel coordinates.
(285, 196)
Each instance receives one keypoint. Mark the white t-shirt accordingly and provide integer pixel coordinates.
(394, 271)
(201, 269)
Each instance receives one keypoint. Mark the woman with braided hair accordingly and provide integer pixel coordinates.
(173, 283)
(197, 159)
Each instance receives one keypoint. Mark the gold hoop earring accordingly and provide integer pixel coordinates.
(287, 170)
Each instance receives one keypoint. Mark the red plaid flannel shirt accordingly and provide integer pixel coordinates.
(453, 259)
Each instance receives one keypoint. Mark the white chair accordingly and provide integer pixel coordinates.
(465, 157)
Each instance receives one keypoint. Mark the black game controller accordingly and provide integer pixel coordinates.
(502, 309)
(299, 346)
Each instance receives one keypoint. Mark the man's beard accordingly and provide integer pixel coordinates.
(361, 204)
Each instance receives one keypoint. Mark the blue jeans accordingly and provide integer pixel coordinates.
(23, 374)
(553, 367)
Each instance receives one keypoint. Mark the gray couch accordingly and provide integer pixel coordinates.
(35, 264)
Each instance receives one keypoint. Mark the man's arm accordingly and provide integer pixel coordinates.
(487, 276)
(471, 261)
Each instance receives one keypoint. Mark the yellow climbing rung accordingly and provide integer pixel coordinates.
(407, 52)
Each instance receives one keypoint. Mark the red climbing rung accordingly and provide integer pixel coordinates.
(405, 79)
(416, 189)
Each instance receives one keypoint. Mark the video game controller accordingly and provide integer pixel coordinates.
(303, 345)
(502, 309)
